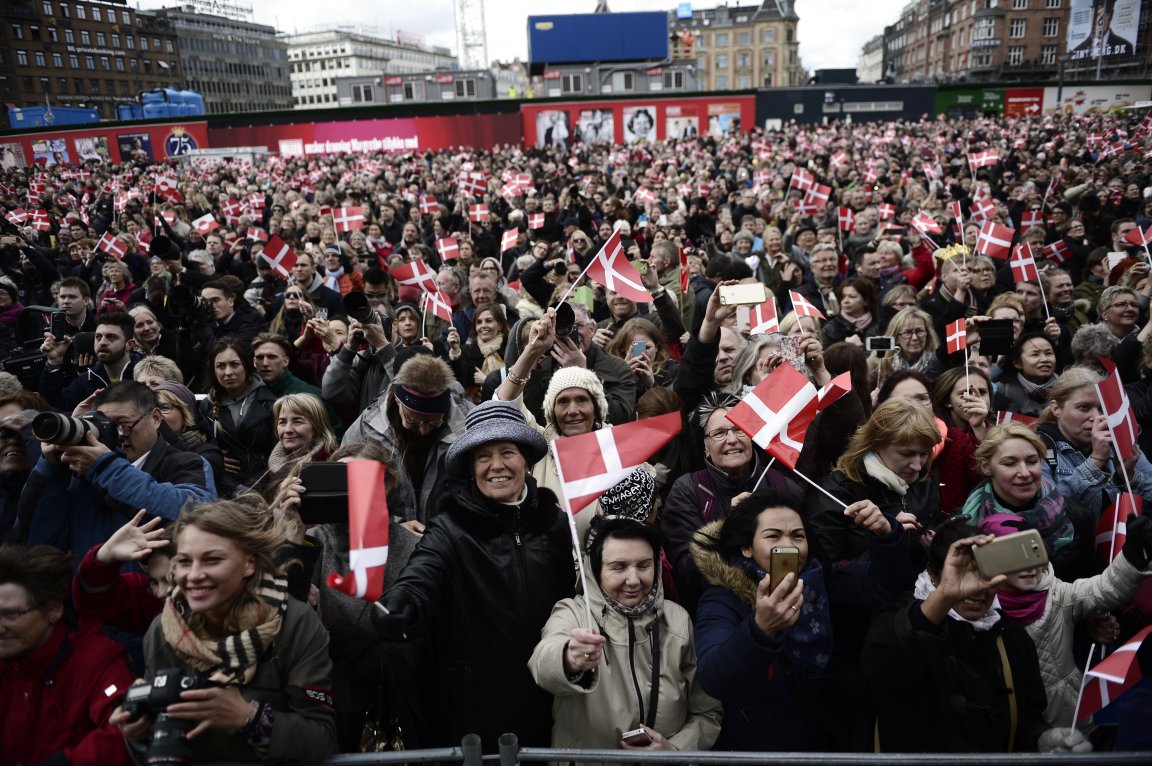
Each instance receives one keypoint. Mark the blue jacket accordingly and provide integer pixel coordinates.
(74, 513)
(65, 394)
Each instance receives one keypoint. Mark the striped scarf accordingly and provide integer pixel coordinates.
(232, 660)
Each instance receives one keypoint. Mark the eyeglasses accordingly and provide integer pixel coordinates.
(125, 429)
(165, 407)
(984, 270)
(720, 434)
(294, 296)
(908, 334)
(12, 616)
(412, 419)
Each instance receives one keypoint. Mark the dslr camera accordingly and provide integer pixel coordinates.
(184, 302)
(168, 744)
(65, 430)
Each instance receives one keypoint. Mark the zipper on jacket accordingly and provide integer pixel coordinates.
(632, 667)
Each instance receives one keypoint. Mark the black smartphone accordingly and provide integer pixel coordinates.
(59, 327)
(325, 499)
(84, 343)
(995, 337)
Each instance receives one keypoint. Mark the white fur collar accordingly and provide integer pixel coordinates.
(883, 474)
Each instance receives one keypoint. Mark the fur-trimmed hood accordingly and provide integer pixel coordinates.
(715, 569)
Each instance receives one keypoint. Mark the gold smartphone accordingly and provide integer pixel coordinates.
(784, 560)
(1011, 553)
(745, 294)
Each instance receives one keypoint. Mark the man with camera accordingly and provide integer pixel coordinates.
(118, 465)
(113, 362)
(229, 318)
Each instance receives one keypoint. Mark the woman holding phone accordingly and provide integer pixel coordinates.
(641, 344)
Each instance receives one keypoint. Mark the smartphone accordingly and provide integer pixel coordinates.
(321, 313)
(784, 560)
(641, 266)
(59, 326)
(880, 343)
(1011, 553)
(636, 737)
(639, 347)
(996, 337)
(790, 351)
(325, 499)
(745, 294)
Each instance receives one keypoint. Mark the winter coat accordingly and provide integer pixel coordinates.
(120, 600)
(1011, 397)
(357, 378)
(941, 688)
(482, 582)
(1068, 603)
(838, 329)
(65, 395)
(251, 440)
(595, 709)
(295, 676)
(55, 704)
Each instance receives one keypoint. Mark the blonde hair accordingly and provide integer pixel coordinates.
(158, 365)
(167, 397)
(791, 319)
(1072, 380)
(996, 436)
(312, 408)
(903, 317)
(896, 421)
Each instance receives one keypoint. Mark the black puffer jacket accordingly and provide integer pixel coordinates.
(483, 580)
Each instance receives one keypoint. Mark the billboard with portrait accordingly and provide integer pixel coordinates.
(1102, 28)
(12, 156)
(92, 148)
(50, 151)
(552, 128)
(595, 127)
(639, 123)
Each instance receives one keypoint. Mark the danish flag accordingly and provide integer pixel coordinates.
(926, 224)
(768, 409)
(477, 213)
(40, 221)
(845, 218)
(428, 204)
(684, 275)
(449, 248)
(645, 195)
(415, 273)
(508, 239)
(787, 445)
(994, 240)
(957, 336)
(837, 160)
(110, 244)
(1057, 252)
(16, 216)
(983, 208)
(801, 179)
(232, 210)
(383, 249)
(536, 221)
(434, 301)
(802, 307)
(256, 201)
(277, 252)
(257, 234)
(1112, 529)
(590, 464)
(368, 523)
(1117, 409)
(982, 159)
(473, 183)
(816, 198)
(763, 319)
(612, 269)
(1139, 238)
(346, 219)
(206, 224)
(1015, 417)
(887, 212)
(1023, 264)
(1112, 677)
(1031, 218)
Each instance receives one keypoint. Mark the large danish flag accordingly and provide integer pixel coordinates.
(1112, 677)
(449, 248)
(763, 319)
(767, 410)
(1031, 218)
(434, 301)
(994, 240)
(477, 213)
(415, 273)
(1057, 252)
(278, 253)
(787, 445)
(428, 204)
(1117, 409)
(837, 160)
(926, 224)
(590, 464)
(368, 523)
(536, 221)
(1139, 238)
(887, 212)
(348, 218)
(508, 239)
(612, 269)
(473, 183)
(112, 245)
(801, 179)
(1023, 264)
(845, 218)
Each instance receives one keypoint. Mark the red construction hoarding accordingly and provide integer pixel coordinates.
(104, 143)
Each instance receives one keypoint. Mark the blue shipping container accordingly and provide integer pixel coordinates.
(588, 37)
(43, 117)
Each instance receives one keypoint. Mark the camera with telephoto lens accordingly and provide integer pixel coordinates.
(65, 430)
(184, 302)
(168, 743)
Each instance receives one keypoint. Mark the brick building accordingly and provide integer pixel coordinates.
(740, 47)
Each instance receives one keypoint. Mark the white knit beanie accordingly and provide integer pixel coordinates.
(575, 377)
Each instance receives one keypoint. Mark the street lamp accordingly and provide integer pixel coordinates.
(1062, 60)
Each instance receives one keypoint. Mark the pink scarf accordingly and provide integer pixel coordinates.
(1025, 608)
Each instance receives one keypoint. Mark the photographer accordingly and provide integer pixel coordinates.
(112, 364)
(126, 468)
(230, 317)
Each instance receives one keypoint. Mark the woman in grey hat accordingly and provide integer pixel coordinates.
(483, 580)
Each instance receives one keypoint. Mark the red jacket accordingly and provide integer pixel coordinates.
(123, 601)
(55, 703)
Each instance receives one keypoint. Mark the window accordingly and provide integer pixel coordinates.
(74, 61)
(47, 8)
(96, 15)
(1051, 3)
(85, 37)
(623, 82)
(722, 82)
(115, 41)
(45, 85)
(1019, 5)
(363, 94)
(466, 88)
(981, 59)
(1048, 55)
(721, 39)
(62, 82)
(1052, 27)
(69, 37)
(125, 17)
(119, 63)
(40, 59)
(1015, 55)
(414, 91)
(572, 83)
(58, 60)
(101, 40)
(769, 35)
(743, 60)
(78, 84)
(743, 82)
(767, 79)
(89, 62)
(80, 12)
(984, 29)
(168, 46)
(53, 35)
(130, 41)
(769, 59)
(674, 80)
(18, 31)
(105, 64)
(22, 58)
(143, 43)
(721, 60)
(64, 10)
(1017, 29)
(743, 38)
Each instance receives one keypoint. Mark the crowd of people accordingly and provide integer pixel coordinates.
(183, 342)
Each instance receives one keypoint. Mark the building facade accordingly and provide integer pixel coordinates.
(236, 65)
(740, 47)
(870, 64)
(319, 61)
(82, 53)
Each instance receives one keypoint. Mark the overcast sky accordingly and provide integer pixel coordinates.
(831, 31)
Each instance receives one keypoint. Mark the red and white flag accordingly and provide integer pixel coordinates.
(536, 221)
(232, 209)
(1139, 238)
(1112, 529)
(685, 277)
(956, 335)
(768, 409)
(40, 220)
(449, 248)
(278, 253)
(837, 160)
(994, 240)
(763, 319)
(1112, 677)
(110, 244)
(645, 196)
(433, 301)
(346, 219)
(17, 216)
(1023, 264)
(1015, 417)
(983, 208)
(428, 204)
(612, 269)
(165, 185)
(1057, 252)
(887, 212)
(368, 523)
(816, 198)
(977, 160)
(256, 201)
(508, 239)
(1117, 409)
(802, 307)
(383, 249)
(477, 213)
(206, 224)
(801, 179)
(845, 218)
(926, 224)
(1032, 218)
(590, 464)
(787, 445)
(415, 273)
(473, 183)
(257, 234)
